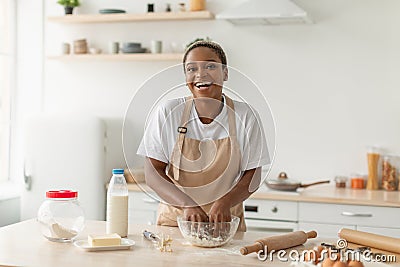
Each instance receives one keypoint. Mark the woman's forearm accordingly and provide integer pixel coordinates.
(247, 185)
(157, 180)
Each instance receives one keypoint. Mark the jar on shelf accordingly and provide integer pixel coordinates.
(197, 5)
(357, 181)
(340, 181)
(389, 174)
(60, 216)
(373, 156)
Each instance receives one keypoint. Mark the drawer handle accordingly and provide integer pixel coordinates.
(274, 209)
(352, 214)
(149, 200)
(251, 208)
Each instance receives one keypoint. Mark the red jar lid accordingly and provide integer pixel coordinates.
(61, 194)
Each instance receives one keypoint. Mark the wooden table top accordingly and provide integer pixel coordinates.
(22, 244)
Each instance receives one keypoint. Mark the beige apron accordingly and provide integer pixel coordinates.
(205, 170)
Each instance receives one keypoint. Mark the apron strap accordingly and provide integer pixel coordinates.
(231, 117)
(181, 136)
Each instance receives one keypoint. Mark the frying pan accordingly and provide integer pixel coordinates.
(283, 183)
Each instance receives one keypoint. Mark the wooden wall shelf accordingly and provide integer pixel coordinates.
(126, 17)
(120, 57)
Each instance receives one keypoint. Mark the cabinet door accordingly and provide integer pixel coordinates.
(142, 208)
(349, 214)
(270, 226)
(324, 229)
(392, 232)
(9, 210)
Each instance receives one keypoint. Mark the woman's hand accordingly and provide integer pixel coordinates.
(220, 212)
(195, 214)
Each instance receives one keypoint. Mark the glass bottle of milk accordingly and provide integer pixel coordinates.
(117, 204)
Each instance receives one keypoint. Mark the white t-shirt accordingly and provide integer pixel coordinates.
(161, 132)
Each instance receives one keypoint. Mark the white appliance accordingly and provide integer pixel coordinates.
(268, 12)
(257, 221)
(268, 215)
(64, 152)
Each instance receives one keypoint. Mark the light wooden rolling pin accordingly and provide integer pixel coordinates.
(371, 240)
(279, 242)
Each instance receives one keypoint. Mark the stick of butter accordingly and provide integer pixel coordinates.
(104, 240)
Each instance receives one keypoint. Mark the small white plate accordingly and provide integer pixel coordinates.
(125, 244)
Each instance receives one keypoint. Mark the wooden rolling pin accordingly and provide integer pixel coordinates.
(279, 242)
(371, 240)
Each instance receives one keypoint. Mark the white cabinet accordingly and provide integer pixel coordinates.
(330, 218)
(349, 214)
(286, 216)
(142, 208)
(324, 229)
(9, 210)
(325, 218)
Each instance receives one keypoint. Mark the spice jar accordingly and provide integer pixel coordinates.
(60, 216)
(389, 174)
(340, 181)
(357, 183)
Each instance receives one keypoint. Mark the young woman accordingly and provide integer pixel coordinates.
(204, 153)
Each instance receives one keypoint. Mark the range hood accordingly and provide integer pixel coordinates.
(267, 12)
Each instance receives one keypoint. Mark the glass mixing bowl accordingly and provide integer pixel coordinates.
(206, 234)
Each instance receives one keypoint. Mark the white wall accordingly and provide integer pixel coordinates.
(333, 86)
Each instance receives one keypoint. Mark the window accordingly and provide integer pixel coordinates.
(7, 81)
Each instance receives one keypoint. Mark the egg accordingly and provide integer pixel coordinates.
(339, 264)
(310, 255)
(333, 254)
(355, 264)
(319, 249)
(327, 262)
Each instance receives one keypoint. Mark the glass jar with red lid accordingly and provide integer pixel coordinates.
(60, 216)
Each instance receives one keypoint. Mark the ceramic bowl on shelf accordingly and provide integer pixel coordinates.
(127, 45)
(111, 11)
(132, 51)
(206, 234)
(132, 47)
(94, 50)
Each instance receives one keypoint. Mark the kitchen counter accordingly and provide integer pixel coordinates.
(21, 244)
(322, 194)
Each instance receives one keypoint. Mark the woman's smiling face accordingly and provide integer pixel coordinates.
(204, 72)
